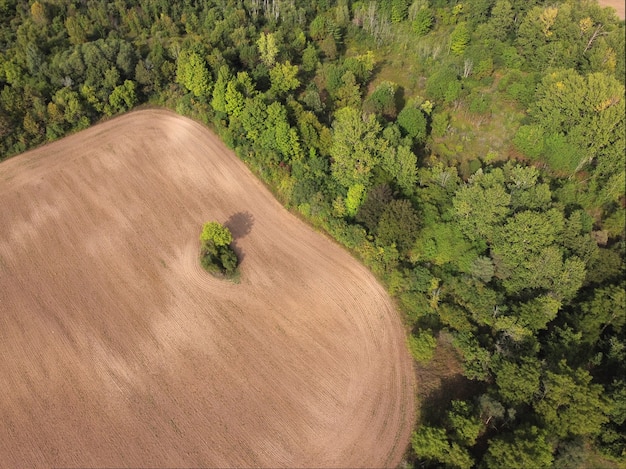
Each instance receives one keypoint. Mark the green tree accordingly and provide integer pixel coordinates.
(218, 98)
(482, 205)
(413, 121)
(399, 10)
(354, 199)
(401, 163)
(571, 404)
(588, 111)
(268, 48)
(123, 97)
(523, 449)
(432, 444)
(234, 99)
(423, 22)
(356, 147)
(375, 203)
(283, 77)
(422, 345)
(383, 100)
(459, 39)
(527, 256)
(398, 224)
(216, 233)
(192, 73)
(518, 383)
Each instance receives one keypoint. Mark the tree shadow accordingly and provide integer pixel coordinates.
(240, 225)
(436, 402)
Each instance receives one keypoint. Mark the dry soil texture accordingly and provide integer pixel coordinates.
(118, 350)
(619, 5)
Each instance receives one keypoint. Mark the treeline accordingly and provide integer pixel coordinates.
(517, 252)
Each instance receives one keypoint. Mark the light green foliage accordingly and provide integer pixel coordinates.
(284, 78)
(354, 199)
(482, 205)
(78, 27)
(477, 359)
(423, 22)
(528, 258)
(529, 139)
(123, 97)
(267, 48)
(399, 10)
(254, 117)
(441, 123)
(192, 73)
(310, 58)
(525, 189)
(361, 66)
(218, 99)
(401, 162)
(538, 312)
(518, 383)
(317, 28)
(216, 233)
(460, 38)
(502, 19)
(431, 444)
(524, 449)
(443, 243)
(234, 100)
(465, 424)
(587, 111)
(604, 310)
(356, 148)
(572, 405)
(422, 346)
(216, 254)
(348, 94)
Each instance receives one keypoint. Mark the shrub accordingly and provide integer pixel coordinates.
(216, 254)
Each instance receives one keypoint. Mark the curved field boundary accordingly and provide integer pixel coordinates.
(118, 350)
(618, 5)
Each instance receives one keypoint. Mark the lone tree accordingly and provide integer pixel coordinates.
(216, 254)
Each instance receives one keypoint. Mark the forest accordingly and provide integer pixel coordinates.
(470, 153)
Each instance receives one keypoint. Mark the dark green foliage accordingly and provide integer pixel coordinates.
(398, 225)
(413, 121)
(383, 100)
(375, 204)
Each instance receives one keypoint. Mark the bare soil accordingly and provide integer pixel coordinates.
(119, 350)
(619, 5)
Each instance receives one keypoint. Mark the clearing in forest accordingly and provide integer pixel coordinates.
(118, 349)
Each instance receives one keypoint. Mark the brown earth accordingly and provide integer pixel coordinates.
(619, 5)
(119, 350)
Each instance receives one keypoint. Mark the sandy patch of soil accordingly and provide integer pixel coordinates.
(119, 350)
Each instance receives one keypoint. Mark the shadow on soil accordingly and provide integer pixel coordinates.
(240, 225)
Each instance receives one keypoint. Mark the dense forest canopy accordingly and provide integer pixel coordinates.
(470, 153)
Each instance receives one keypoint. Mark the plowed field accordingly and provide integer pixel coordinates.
(117, 349)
